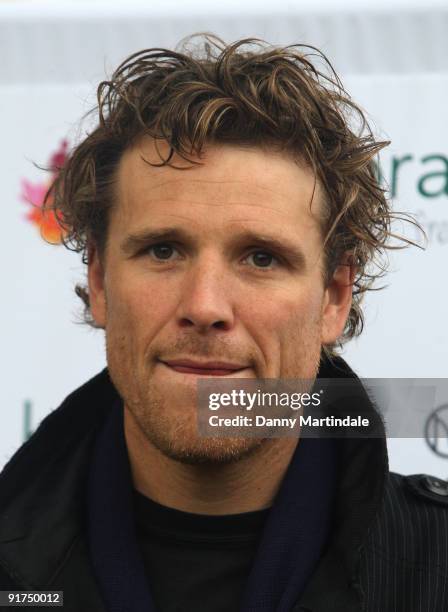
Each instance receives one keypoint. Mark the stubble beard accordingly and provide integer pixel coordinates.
(174, 432)
(170, 424)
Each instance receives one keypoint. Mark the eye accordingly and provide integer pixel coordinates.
(161, 251)
(263, 259)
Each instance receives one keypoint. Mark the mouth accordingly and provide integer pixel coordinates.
(208, 369)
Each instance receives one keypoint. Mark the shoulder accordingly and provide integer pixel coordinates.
(404, 562)
(58, 449)
(415, 495)
(412, 525)
(61, 429)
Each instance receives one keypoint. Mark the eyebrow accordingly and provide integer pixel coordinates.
(286, 248)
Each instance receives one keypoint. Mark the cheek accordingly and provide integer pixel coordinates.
(127, 307)
(287, 313)
(136, 308)
(287, 330)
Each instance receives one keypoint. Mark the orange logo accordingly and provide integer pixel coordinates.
(34, 194)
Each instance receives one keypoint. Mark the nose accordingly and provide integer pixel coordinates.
(205, 301)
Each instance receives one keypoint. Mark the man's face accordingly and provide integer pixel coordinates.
(220, 262)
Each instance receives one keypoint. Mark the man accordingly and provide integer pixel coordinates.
(228, 209)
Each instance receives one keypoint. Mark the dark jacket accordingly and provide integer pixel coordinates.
(388, 551)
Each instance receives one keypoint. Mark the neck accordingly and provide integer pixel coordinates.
(246, 485)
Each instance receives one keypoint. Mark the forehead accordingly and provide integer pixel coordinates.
(231, 185)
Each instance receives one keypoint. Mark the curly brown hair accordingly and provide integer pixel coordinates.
(246, 93)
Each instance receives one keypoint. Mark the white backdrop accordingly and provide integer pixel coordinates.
(393, 60)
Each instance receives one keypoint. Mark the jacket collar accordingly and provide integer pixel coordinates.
(42, 486)
(42, 493)
(364, 469)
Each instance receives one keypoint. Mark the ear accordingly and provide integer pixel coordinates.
(97, 296)
(337, 301)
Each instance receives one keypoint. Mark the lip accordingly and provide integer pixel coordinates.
(212, 368)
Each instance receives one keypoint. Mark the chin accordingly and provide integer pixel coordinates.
(168, 422)
(177, 438)
(208, 451)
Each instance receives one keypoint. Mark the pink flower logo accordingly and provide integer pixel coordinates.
(34, 194)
